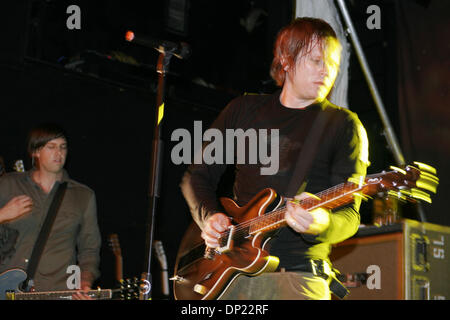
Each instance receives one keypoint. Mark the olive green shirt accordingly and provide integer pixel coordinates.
(74, 238)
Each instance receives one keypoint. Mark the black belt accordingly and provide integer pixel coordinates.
(322, 269)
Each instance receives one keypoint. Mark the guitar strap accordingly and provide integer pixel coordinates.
(43, 235)
(308, 153)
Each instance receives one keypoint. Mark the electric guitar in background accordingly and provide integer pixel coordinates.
(18, 166)
(129, 288)
(160, 254)
(113, 240)
(11, 280)
(203, 273)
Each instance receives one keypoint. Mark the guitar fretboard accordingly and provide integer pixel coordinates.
(62, 295)
(331, 198)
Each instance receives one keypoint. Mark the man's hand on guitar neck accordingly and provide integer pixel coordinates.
(85, 287)
(303, 221)
(214, 225)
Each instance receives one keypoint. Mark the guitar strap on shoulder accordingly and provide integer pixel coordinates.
(308, 153)
(43, 235)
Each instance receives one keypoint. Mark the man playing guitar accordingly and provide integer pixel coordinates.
(305, 64)
(25, 198)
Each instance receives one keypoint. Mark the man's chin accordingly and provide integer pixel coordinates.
(56, 169)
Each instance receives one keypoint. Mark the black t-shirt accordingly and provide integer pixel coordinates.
(342, 154)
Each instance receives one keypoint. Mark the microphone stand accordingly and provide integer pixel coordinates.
(155, 171)
(388, 130)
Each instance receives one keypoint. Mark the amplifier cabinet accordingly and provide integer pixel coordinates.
(408, 260)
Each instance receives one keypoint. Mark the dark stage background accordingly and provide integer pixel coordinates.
(102, 90)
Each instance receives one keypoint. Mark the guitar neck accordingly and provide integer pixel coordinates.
(332, 198)
(406, 183)
(59, 295)
(115, 246)
(119, 268)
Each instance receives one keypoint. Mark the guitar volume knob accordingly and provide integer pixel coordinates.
(209, 253)
(200, 289)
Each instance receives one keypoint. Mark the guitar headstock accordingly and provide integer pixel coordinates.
(129, 289)
(160, 254)
(18, 166)
(413, 182)
(113, 240)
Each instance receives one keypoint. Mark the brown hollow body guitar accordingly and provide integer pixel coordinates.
(204, 274)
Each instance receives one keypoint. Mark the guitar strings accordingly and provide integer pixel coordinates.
(342, 198)
(276, 217)
(240, 230)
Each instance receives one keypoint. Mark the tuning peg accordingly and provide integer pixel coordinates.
(425, 167)
(427, 185)
(416, 194)
(397, 169)
(430, 176)
(428, 182)
(397, 194)
(420, 195)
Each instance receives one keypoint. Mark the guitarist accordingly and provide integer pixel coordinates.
(25, 198)
(305, 64)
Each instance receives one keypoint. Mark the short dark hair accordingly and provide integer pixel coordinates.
(40, 135)
(295, 38)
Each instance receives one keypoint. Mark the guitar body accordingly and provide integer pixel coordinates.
(10, 281)
(200, 278)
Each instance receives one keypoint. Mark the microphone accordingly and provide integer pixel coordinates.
(180, 50)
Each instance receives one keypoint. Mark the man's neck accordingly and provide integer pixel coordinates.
(290, 100)
(46, 180)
